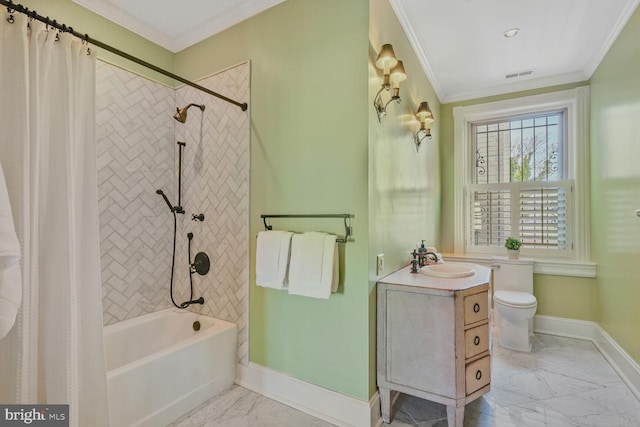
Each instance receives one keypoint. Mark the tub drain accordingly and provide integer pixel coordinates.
(196, 326)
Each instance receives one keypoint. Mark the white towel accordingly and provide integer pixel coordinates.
(10, 278)
(313, 270)
(272, 258)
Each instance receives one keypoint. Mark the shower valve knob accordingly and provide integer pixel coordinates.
(199, 217)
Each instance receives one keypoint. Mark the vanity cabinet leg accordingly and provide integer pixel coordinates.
(385, 404)
(455, 415)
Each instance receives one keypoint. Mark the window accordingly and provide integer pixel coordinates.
(521, 170)
(518, 188)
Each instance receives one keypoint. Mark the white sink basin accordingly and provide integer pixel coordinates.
(449, 271)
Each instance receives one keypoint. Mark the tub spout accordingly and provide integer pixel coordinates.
(195, 301)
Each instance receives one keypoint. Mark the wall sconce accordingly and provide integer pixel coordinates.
(424, 116)
(392, 74)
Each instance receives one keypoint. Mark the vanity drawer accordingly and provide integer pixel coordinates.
(477, 374)
(476, 307)
(476, 340)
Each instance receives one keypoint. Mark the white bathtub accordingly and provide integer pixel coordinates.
(159, 368)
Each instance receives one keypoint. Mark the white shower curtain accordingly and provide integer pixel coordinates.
(54, 353)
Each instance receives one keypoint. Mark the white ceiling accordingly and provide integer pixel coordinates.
(462, 49)
(459, 43)
(176, 25)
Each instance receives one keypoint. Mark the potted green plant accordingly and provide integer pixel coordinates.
(513, 247)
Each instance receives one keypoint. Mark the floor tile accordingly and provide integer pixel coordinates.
(239, 407)
(564, 382)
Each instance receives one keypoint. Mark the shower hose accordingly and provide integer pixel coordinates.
(173, 265)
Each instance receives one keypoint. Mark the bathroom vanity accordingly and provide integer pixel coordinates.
(433, 339)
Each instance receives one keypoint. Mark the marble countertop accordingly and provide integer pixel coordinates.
(404, 276)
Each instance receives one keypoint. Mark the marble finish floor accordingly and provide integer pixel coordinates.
(239, 407)
(564, 382)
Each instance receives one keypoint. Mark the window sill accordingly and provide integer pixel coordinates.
(540, 266)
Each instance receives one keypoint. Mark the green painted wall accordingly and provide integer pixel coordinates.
(317, 146)
(561, 296)
(99, 28)
(404, 185)
(615, 183)
(308, 107)
(613, 297)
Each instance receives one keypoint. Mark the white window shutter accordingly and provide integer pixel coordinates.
(543, 217)
(491, 217)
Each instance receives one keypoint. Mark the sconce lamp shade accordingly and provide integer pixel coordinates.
(393, 73)
(425, 116)
(386, 58)
(398, 74)
(424, 113)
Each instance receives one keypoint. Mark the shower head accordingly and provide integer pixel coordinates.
(181, 113)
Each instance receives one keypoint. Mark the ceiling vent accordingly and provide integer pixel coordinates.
(519, 74)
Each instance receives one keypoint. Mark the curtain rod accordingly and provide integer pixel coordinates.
(11, 7)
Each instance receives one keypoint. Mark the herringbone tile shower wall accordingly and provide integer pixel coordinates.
(135, 145)
(137, 154)
(216, 183)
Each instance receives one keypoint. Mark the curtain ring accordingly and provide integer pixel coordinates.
(10, 19)
(88, 51)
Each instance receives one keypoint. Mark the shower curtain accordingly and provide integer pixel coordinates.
(54, 352)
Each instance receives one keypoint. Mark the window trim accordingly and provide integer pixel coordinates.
(576, 103)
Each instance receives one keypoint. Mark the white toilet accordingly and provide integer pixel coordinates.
(513, 301)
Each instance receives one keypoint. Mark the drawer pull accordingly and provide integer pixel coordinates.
(478, 375)
(476, 340)
(476, 308)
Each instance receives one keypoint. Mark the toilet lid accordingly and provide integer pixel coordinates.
(515, 298)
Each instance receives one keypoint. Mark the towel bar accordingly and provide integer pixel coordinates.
(348, 237)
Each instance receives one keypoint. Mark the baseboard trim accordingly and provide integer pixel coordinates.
(627, 368)
(328, 405)
(347, 411)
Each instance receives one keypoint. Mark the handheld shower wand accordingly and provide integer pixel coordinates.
(160, 192)
(176, 209)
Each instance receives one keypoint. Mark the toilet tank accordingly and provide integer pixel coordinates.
(512, 274)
